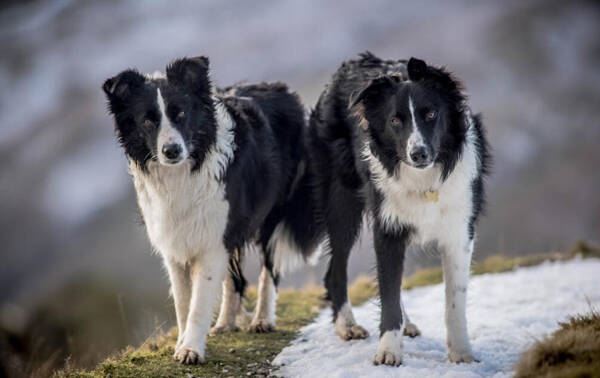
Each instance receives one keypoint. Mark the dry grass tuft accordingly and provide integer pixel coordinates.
(571, 351)
(361, 290)
(585, 249)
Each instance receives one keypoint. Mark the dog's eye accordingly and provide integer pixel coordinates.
(148, 123)
(180, 116)
(430, 115)
(395, 121)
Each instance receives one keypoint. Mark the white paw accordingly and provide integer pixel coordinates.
(351, 332)
(389, 351)
(461, 357)
(411, 330)
(460, 354)
(188, 356)
(224, 328)
(346, 327)
(261, 326)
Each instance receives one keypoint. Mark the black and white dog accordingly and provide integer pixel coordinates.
(215, 171)
(397, 139)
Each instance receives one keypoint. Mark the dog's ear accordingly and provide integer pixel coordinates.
(191, 72)
(381, 86)
(374, 93)
(416, 69)
(119, 87)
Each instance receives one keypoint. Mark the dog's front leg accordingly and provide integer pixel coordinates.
(206, 272)
(456, 260)
(390, 246)
(181, 289)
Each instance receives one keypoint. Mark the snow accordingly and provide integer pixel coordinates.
(506, 313)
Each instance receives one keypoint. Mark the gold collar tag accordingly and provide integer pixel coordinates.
(432, 196)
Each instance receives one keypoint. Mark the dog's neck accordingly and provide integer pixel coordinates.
(421, 182)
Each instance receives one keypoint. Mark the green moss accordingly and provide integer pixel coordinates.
(232, 354)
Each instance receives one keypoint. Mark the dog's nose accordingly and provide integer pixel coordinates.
(420, 155)
(171, 151)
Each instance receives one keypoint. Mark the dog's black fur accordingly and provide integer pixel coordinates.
(366, 104)
(265, 181)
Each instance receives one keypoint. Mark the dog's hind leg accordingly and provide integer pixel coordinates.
(264, 315)
(344, 220)
(410, 329)
(456, 262)
(234, 286)
(181, 290)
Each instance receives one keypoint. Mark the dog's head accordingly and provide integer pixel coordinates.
(417, 121)
(165, 118)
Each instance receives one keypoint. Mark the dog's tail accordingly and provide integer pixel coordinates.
(300, 235)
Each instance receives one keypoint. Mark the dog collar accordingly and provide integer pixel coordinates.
(432, 196)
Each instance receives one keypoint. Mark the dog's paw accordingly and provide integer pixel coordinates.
(261, 326)
(387, 358)
(411, 330)
(459, 358)
(223, 329)
(389, 351)
(346, 327)
(352, 332)
(188, 356)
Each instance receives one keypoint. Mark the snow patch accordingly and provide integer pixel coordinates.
(506, 313)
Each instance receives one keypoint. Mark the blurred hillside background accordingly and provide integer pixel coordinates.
(77, 275)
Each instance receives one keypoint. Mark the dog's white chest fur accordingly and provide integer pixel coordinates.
(185, 212)
(405, 202)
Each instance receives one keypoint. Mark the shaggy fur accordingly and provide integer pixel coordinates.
(215, 172)
(396, 139)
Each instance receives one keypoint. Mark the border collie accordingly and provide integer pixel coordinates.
(397, 140)
(215, 172)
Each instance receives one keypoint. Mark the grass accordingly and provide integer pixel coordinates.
(571, 351)
(244, 354)
(234, 354)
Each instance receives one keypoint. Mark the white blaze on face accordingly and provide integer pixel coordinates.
(167, 134)
(415, 139)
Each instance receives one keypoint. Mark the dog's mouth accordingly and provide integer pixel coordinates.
(171, 162)
(423, 165)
